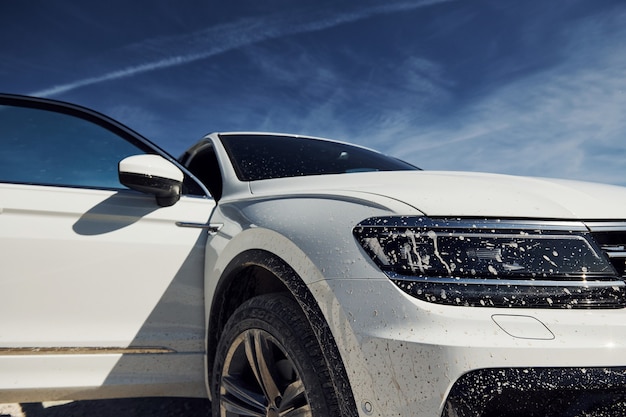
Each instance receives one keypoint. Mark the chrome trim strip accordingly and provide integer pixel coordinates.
(507, 282)
(472, 233)
(614, 248)
(473, 224)
(617, 255)
(600, 226)
(36, 351)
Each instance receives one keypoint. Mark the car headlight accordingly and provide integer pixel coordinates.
(493, 263)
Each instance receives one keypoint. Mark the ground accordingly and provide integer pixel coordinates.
(135, 407)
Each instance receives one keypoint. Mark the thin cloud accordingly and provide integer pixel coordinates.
(547, 124)
(217, 40)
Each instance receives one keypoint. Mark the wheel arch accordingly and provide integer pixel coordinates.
(256, 272)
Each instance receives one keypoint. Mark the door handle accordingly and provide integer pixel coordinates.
(210, 227)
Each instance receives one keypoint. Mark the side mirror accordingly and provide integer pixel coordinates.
(152, 174)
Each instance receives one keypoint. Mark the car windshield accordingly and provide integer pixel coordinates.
(259, 157)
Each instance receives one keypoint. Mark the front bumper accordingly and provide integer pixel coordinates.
(406, 357)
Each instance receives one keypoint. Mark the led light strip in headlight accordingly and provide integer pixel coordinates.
(493, 263)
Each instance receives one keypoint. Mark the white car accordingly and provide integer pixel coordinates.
(290, 276)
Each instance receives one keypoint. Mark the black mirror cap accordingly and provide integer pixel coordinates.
(166, 191)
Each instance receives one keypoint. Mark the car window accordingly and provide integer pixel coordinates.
(202, 162)
(39, 146)
(257, 157)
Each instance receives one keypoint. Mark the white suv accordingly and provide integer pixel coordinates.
(293, 276)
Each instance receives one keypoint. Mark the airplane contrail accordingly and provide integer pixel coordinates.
(233, 36)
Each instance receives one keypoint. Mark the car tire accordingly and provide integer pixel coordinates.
(269, 363)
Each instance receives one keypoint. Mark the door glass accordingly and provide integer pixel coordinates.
(44, 147)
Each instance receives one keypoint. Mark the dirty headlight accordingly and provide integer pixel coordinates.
(493, 263)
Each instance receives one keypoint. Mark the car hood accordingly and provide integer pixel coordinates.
(439, 193)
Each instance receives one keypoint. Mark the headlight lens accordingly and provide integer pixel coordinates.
(493, 263)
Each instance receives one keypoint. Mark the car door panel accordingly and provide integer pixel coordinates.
(92, 272)
(108, 258)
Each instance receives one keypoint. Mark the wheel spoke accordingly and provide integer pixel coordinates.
(303, 411)
(238, 409)
(239, 400)
(261, 358)
(294, 396)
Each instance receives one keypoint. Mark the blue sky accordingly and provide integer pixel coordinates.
(529, 87)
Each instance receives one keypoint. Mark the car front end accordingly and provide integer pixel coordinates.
(485, 315)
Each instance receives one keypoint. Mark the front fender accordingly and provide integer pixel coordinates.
(313, 237)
